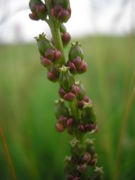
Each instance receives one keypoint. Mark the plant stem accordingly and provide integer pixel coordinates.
(55, 30)
(2, 137)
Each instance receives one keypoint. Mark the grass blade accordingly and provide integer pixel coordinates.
(122, 133)
(2, 137)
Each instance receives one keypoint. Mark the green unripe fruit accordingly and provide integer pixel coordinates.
(76, 51)
(66, 78)
(41, 11)
(43, 44)
(61, 109)
(64, 3)
(33, 3)
(82, 92)
(53, 74)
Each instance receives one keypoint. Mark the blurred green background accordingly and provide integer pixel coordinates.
(27, 109)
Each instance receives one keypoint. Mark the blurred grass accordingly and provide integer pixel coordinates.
(27, 106)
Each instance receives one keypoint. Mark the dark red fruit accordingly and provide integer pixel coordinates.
(45, 62)
(77, 61)
(71, 66)
(65, 38)
(81, 128)
(69, 96)
(82, 68)
(62, 92)
(69, 122)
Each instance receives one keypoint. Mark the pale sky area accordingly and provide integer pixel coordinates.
(84, 20)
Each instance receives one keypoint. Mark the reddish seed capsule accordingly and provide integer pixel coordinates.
(69, 96)
(66, 38)
(77, 61)
(41, 10)
(59, 127)
(86, 99)
(71, 66)
(81, 104)
(45, 62)
(69, 122)
(62, 92)
(82, 68)
(75, 89)
(53, 12)
(89, 127)
(60, 15)
(50, 54)
(63, 15)
(62, 119)
(81, 128)
(57, 54)
(51, 76)
(58, 8)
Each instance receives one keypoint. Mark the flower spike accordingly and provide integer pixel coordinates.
(74, 110)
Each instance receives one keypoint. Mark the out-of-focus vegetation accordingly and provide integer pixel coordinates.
(27, 109)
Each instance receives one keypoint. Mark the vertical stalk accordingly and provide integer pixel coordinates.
(55, 30)
(2, 137)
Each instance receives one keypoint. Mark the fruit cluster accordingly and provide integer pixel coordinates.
(61, 10)
(38, 10)
(76, 62)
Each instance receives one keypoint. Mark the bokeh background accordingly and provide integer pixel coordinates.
(106, 30)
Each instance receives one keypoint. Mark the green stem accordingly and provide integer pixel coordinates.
(74, 110)
(55, 30)
(2, 137)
